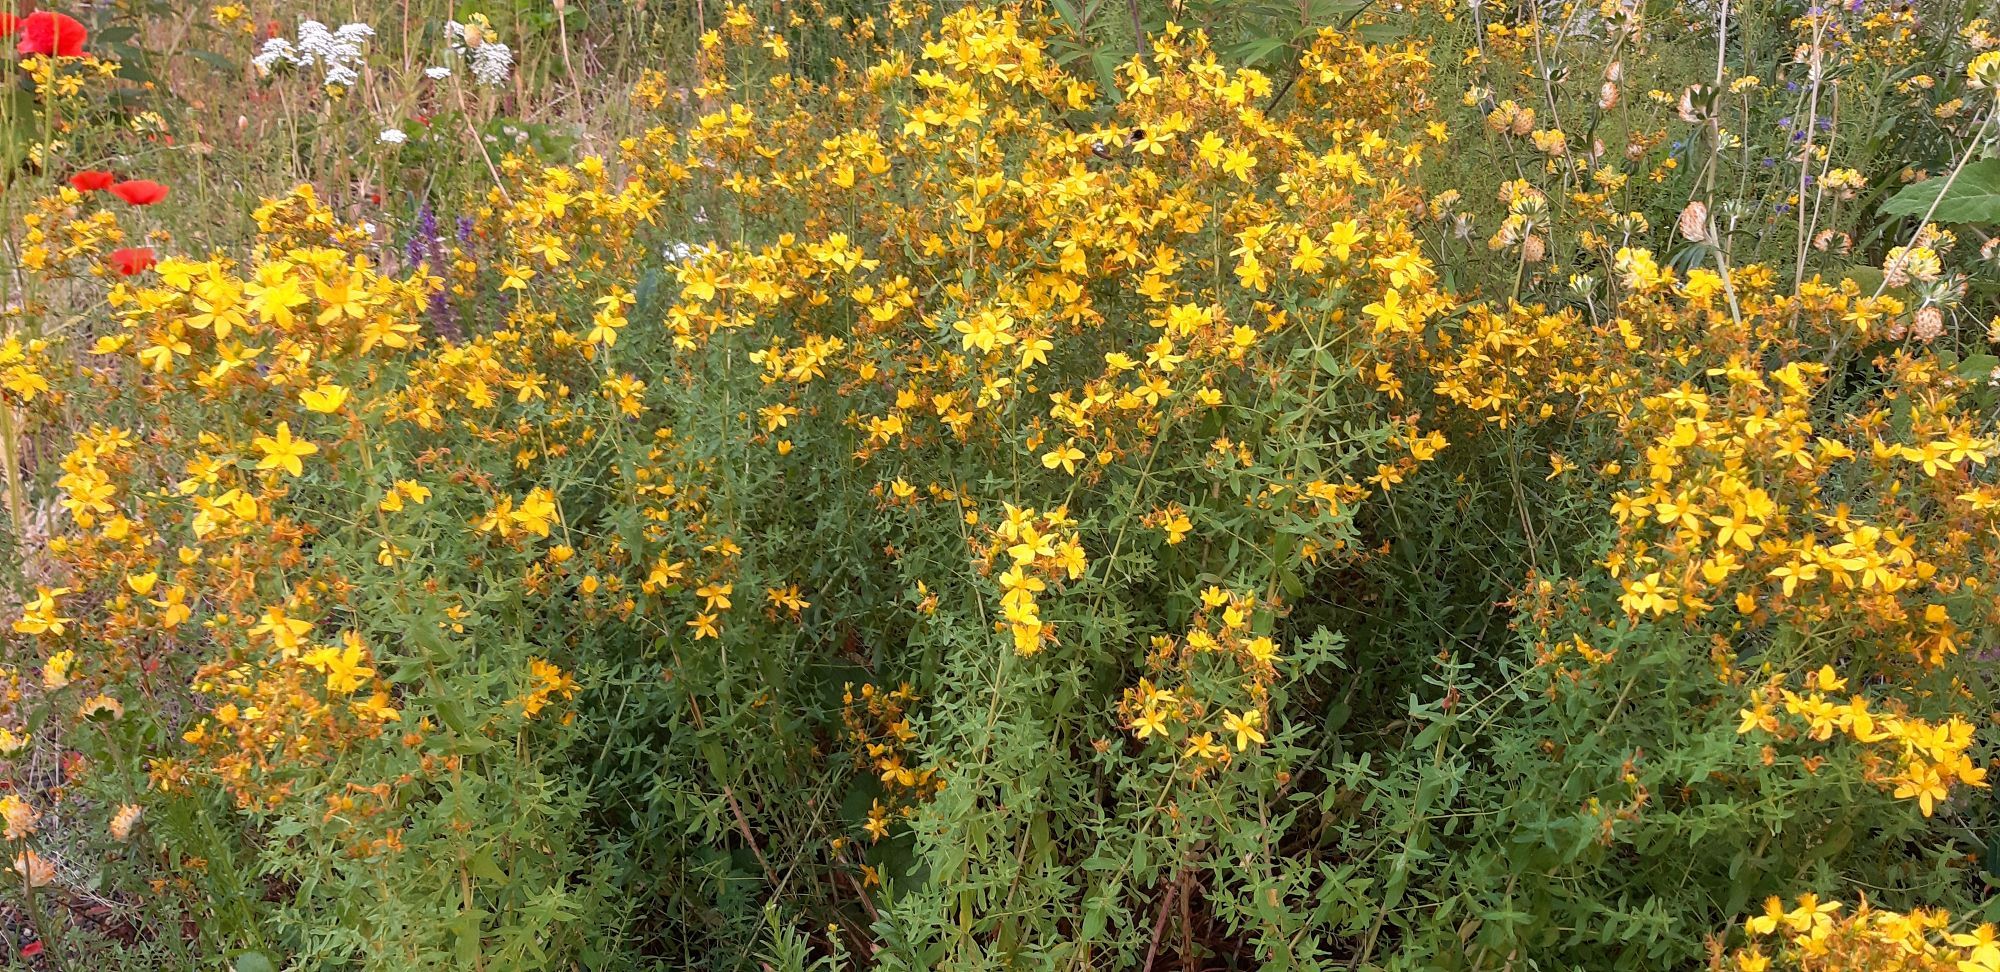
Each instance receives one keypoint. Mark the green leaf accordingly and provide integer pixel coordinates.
(1326, 11)
(129, 69)
(1070, 17)
(253, 962)
(1256, 51)
(1978, 367)
(1974, 196)
(485, 868)
(1869, 278)
(468, 932)
(212, 59)
(18, 130)
(1383, 33)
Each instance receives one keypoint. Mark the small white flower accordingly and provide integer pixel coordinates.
(354, 34)
(491, 63)
(314, 39)
(437, 73)
(338, 53)
(392, 136)
(275, 51)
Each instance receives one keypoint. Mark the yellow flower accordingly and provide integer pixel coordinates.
(20, 818)
(33, 869)
(343, 296)
(346, 668)
(1389, 313)
(1983, 71)
(124, 820)
(326, 399)
(716, 596)
(39, 615)
(282, 451)
(1203, 746)
(286, 632)
(537, 512)
(1238, 162)
(1244, 727)
(1648, 595)
(1066, 456)
(401, 490)
(516, 277)
(604, 327)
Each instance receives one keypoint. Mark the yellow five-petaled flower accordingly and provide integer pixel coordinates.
(282, 451)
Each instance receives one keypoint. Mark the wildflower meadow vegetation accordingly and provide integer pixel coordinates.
(1057, 484)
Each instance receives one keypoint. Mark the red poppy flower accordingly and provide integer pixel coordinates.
(54, 34)
(9, 25)
(140, 192)
(132, 260)
(91, 180)
(31, 949)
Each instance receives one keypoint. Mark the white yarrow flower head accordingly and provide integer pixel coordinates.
(489, 60)
(354, 35)
(491, 63)
(392, 136)
(337, 53)
(276, 52)
(437, 73)
(314, 40)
